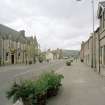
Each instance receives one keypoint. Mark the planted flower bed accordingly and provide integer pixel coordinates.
(36, 92)
(53, 83)
(22, 91)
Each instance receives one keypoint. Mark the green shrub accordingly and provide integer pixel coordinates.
(41, 88)
(40, 59)
(36, 92)
(24, 90)
(68, 63)
(53, 82)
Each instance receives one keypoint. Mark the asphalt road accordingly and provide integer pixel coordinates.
(11, 73)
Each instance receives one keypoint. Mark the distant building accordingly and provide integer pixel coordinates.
(82, 52)
(54, 54)
(87, 51)
(58, 53)
(15, 47)
(49, 55)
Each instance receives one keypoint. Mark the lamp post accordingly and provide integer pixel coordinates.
(93, 49)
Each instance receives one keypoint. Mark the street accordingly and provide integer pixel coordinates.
(81, 85)
(10, 73)
(65, 36)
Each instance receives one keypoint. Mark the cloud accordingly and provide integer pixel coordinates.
(56, 23)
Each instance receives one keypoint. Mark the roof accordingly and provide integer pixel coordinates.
(101, 8)
(9, 33)
(97, 30)
(29, 38)
(102, 3)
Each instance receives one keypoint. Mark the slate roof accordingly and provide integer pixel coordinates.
(8, 33)
(29, 38)
(102, 3)
(101, 8)
(35, 41)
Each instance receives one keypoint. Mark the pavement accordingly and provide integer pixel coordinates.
(81, 86)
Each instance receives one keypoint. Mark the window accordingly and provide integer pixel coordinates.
(101, 23)
(101, 55)
(18, 55)
(88, 44)
(6, 57)
(103, 20)
(88, 59)
(104, 55)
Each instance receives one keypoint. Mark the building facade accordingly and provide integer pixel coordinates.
(97, 44)
(88, 51)
(49, 55)
(82, 52)
(101, 33)
(15, 47)
(54, 54)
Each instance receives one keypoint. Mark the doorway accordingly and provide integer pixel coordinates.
(12, 59)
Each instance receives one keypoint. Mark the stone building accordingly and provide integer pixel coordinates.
(82, 52)
(97, 43)
(88, 51)
(96, 62)
(54, 54)
(15, 47)
(101, 36)
(57, 54)
(49, 55)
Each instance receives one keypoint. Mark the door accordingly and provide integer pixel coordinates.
(12, 59)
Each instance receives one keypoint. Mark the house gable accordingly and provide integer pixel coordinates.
(101, 8)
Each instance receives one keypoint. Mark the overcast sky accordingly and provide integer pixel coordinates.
(56, 23)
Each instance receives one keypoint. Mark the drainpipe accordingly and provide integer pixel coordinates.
(3, 51)
(16, 50)
(92, 53)
(99, 50)
(9, 51)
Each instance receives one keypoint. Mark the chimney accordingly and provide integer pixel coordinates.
(22, 32)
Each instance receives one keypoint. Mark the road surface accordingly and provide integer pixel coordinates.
(10, 73)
